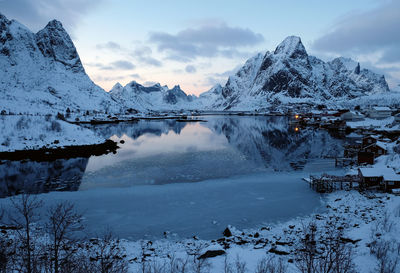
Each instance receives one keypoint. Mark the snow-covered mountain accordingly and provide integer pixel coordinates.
(156, 97)
(290, 75)
(42, 72)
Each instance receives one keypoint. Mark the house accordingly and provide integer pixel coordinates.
(379, 112)
(391, 180)
(352, 116)
(384, 177)
(370, 177)
(379, 148)
(368, 140)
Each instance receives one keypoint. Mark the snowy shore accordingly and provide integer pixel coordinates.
(362, 217)
(23, 132)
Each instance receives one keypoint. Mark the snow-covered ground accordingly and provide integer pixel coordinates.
(361, 216)
(377, 124)
(22, 132)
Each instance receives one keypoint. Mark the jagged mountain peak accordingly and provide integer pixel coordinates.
(291, 47)
(42, 72)
(116, 88)
(55, 25)
(54, 42)
(3, 18)
(290, 75)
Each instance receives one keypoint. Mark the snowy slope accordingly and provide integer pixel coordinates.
(42, 72)
(22, 132)
(156, 97)
(290, 75)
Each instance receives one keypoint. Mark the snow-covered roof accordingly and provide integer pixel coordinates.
(381, 108)
(388, 173)
(381, 144)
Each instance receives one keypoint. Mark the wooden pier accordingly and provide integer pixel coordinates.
(328, 183)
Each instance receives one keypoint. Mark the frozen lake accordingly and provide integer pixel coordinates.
(186, 178)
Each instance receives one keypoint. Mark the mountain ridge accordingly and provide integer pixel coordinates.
(289, 74)
(41, 73)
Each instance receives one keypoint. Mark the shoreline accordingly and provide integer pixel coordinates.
(65, 152)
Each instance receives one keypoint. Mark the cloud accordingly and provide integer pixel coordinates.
(136, 76)
(123, 65)
(117, 65)
(205, 41)
(36, 14)
(143, 55)
(101, 78)
(190, 69)
(367, 32)
(109, 45)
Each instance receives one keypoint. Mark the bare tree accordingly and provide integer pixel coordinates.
(322, 250)
(26, 213)
(271, 265)
(63, 221)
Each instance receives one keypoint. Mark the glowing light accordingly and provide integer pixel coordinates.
(296, 129)
(296, 116)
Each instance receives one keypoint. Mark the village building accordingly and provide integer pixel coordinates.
(383, 177)
(370, 177)
(379, 112)
(391, 180)
(365, 158)
(352, 116)
(368, 140)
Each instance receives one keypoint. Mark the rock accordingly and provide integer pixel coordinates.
(278, 252)
(227, 232)
(348, 240)
(212, 254)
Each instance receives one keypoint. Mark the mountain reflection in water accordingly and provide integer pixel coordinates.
(167, 151)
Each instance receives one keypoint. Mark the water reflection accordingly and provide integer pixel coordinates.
(167, 151)
(38, 177)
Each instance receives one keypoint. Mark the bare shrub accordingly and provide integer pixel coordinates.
(55, 126)
(107, 255)
(228, 268)
(7, 251)
(198, 265)
(177, 265)
(387, 254)
(322, 250)
(22, 123)
(271, 265)
(386, 251)
(240, 265)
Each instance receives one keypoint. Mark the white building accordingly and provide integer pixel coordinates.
(352, 116)
(379, 112)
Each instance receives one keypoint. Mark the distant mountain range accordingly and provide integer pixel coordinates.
(156, 97)
(42, 73)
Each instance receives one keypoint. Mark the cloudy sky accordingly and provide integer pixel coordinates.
(199, 43)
